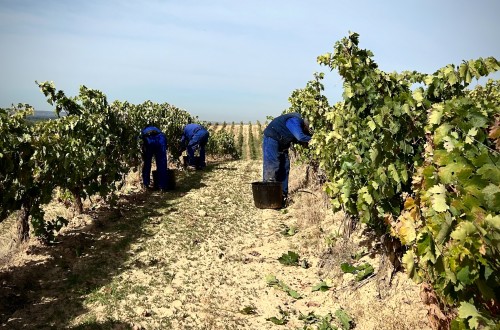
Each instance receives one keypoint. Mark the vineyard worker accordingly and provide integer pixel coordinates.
(195, 137)
(281, 132)
(154, 143)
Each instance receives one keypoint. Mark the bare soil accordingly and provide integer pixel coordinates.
(198, 258)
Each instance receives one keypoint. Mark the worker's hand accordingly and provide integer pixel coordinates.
(195, 147)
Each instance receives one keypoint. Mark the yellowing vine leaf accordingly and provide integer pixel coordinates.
(409, 262)
(438, 198)
(441, 133)
(429, 79)
(406, 231)
(348, 91)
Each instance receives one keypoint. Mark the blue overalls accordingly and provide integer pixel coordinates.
(278, 136)
(195, 136)
(154, 144)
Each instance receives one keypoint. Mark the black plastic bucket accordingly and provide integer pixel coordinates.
(170, 180)
(267, 195)
(196, 160)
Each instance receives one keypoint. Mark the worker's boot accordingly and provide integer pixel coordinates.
(284, 202)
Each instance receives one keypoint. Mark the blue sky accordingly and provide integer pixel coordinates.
(224, 60)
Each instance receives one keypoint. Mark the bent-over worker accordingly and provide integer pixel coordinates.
(279, 134)
(195, 137)
(154, 143)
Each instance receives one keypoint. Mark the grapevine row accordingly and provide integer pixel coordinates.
(87, 150)
(240, 139)
(251, 142)
(420, 164)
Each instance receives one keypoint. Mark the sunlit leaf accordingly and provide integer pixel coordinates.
(406, 231)
(436, 114)
(467, 310)
(493, 221)
(418, 95)
(463, 230)
(438, 198)
(409, 262)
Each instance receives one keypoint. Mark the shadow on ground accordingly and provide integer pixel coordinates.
(48, 291)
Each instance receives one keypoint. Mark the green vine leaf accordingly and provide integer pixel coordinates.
(435, 114)
(277, 321)
(463, 230)
(289, 259)
(348, 268)
(346, 321)
(249, 310)
(321, 287)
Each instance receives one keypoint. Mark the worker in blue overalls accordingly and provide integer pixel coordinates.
(154, 143)
(193, 138)
(281, 132)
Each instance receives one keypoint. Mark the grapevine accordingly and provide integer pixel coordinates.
(251, 142)
(88, 149)
(222, 144)
(418, 163)
(240, 139)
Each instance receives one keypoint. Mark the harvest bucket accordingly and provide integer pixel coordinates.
(170, 180)
(267, 195)
(185, 161)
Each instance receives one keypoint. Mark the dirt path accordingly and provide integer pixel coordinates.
(194, 259)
